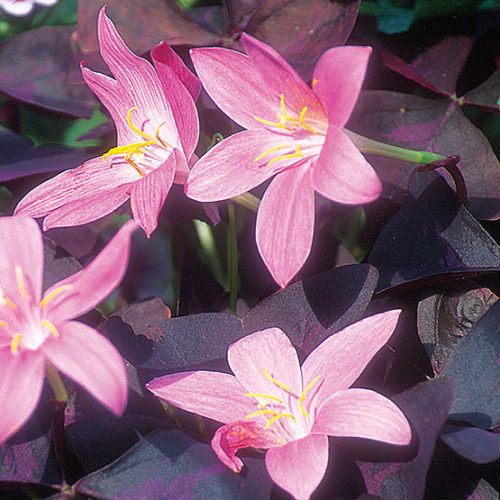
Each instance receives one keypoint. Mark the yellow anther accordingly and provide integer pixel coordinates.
(276, 417)
(3, 324)
(14, 344)
(303, 123)
(47, 324)
(128, 149)
(52, 295)
(266, 396)
(273, 124)
(314, 81)
(303, 395)
(260, 412)
(286, 117)
(269, 151)
(134, 128)
(20, 282)
(5, 300)
(283, 386)
(298, 154)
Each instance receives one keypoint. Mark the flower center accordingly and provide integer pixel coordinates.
(131, 151)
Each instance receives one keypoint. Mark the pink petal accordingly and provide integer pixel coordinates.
(228, 169)
(214, 395)
(92, 178)
(363, 413)
(20, 387)
(162, 54)
(340, 359)
(341, 172)
(149, 194)
(337, 81)
(298, 467)
(21, 247)
(269, 350)
(80, 292)
(91, 360)
(232, 81)
(285, 223)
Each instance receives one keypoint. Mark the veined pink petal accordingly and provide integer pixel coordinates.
(163, 54)
(214, 395)
(285, 223)
(341, 172)
(21, 261)
(299, 466)
(337, 81)
(87, 180)
(91, 360)
(340, 359)
(80, 292)
(149, 194)
(362, 413)
(235, 85)
(263, 356)
(229, 169)
(20, 387)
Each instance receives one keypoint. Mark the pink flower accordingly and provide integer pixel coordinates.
(35, 328)
(23, 7)
(271, 402)
(293, 131)
(157, 124)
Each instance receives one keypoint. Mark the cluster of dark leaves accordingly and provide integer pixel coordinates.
(428, 255)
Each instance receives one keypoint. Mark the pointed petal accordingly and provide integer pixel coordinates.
(80, 292)
(363, 413)
(338, 77)
(298, 467)
(228, 169)
(341, 172)
(20, 387)
(285, 223)
(93, 177)
(21, 247)
(214, 395)
(235, 85)
(91, 360)
(268, 351)
(149, 194)
(340, 359)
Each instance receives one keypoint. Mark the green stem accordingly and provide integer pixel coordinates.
(60, 394)
(370, 146)
(247, 200)
(232, 258)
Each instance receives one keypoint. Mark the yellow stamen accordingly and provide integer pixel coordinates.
(157, 136)
(7, 301)
(20, 282)
(298, 154)
(47, 324)
(305, 125)
(3, 324)
(52, 295)
(14, 344)
(281, 415)
(303, 395)
(266, 396)
(286, 117)
(283, 386)
(260, 412)
(129, 149)
(269, 151)
(273, 124)
(134, 128)
(314, 81)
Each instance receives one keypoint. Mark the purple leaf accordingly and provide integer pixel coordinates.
(486, 95)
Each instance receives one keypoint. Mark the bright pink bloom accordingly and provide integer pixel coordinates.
(23, 7)
(157, 125)
(272, 402)
(293, 131)
(35, 328)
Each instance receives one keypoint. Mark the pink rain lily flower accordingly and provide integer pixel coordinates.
(23, 7)
(36, 328)
(271, 402)
(294, 132)
(157, 124)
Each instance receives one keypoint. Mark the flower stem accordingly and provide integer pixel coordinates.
(247, 200)
(232, 258)
(60, 394)
(370, 146)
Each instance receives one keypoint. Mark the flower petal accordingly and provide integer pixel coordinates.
(363, 413)
(285, 223)
(149, 194)
(20, 387)
(298, 467)
(229, 169)
(21, 247)
(235, 85)
(340, 359)
(91, 360)
(337, 81)
(341, 172)
(266, 352)
(80, 292)
(214, 395)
